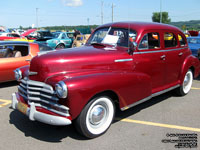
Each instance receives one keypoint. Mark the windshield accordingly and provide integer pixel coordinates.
(56, 34)
(113, 36)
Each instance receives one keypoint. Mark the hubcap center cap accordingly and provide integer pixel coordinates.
(97, 114)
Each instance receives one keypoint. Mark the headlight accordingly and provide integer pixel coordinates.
(61, 89)
(18, 74)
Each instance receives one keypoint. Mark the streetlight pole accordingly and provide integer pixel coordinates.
(112, 12)
(37, 17)
(101, 12)
(160, 11)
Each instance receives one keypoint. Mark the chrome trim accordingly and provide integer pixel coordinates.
(42, 95)
(64, 72)
(30, 73)
(158, 51)
(123, 60)
(166, 90)
(33, 114)
(149, 97)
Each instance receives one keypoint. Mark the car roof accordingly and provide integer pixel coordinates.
(140, 26)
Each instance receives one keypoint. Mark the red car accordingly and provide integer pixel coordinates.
(122, 64)
(11, 36)
(15, 54)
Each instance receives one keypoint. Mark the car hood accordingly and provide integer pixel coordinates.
(28, 32)
(79, 60)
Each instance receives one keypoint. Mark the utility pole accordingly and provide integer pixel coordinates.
(112, 12)
(37, 18)
(101, 12)
(160, 11)
(88, 21)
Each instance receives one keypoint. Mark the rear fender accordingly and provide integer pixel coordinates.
(190, 62)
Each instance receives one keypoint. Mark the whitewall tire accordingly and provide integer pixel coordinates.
(96, 117)
(186, 85)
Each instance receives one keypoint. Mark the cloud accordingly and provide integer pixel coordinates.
(72, 3)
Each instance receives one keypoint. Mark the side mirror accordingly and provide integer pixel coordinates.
(131, 48)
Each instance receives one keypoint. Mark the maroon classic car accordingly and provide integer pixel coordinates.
(122, 64)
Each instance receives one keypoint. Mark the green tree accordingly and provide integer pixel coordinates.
(165, 17)
(183, 27)
(20, 27)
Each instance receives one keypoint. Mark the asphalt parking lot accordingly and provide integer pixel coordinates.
(154, 125)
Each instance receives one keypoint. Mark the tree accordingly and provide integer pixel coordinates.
(20, 27)
(165, 17)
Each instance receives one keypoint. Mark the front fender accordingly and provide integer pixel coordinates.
(129, 86)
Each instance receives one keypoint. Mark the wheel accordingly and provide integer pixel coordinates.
(74, 45)
(60, 46)
(96, 117)
(186, 85)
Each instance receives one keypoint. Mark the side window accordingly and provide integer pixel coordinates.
(170, 40)
(2, 51)
(150, 41)
(181, 40)
(64, 36)
(13, 51)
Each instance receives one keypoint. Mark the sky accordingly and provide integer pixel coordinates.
(15, 13)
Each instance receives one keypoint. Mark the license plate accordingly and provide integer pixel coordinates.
(22, 107)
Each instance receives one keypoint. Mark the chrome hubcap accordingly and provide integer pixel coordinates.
(97, 114)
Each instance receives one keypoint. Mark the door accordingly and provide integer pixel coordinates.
(150, 59)
(175, 52)
(66, 40)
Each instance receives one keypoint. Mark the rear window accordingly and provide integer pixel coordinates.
(181, 40)
(44, 47)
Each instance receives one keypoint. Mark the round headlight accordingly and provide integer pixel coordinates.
(18, 74)
(61, 89)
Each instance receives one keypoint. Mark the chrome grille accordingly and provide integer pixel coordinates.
(42, 95)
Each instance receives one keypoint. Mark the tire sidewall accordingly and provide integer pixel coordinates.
(187, 89)
(180, 91)
(60, 46)
(84, 124)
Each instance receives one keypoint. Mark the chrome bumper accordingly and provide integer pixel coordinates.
(33, 114)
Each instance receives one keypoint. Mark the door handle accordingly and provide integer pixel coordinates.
(163, 57)
(180, 54)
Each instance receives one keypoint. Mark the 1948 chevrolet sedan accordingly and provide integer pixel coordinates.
(122, 64)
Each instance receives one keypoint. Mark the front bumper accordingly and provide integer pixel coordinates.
(33, 114)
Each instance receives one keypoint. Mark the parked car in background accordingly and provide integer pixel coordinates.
(80, 40)
(16, 54)
(61, 40)
(193, 33)
(194, 45)
(6, 36)
(17, 37)
(122, 65)
(40, 36)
